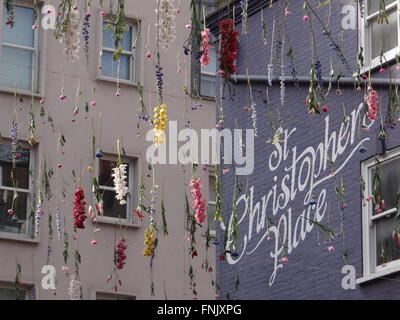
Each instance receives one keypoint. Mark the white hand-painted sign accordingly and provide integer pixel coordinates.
(303, 172)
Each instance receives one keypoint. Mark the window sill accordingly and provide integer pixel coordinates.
(376, 275)
(11, 237)
(116, 222)
(207, 98)
(20, 92)
(375, 64)
(115, 81)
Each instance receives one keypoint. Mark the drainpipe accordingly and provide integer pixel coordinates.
(306, 80)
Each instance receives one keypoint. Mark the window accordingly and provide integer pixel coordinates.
(380, 222)
(208, 75)
(19, 189)
(124, 68)
(112, 208)
(379, 37)
(211, 205)
(19, 51)
(113, 296)
(8, 291)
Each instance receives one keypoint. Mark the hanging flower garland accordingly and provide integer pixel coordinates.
(120, 255)
(204, 47)
(74, 288)
(120, 176)
(70, 34)
(270, 66)
(166, 22)
(199, 204)
(149, 239)
(85, 32)
(10, 20)
(372, 101)
(38, 216)
(14, 141)
(160, 123)
(79, 208)
(229, 48)
(244, 4)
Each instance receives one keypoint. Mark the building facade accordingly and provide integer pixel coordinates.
(317, 218)
(67, 122)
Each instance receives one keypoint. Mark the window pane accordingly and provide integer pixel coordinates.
(105, 172)
(11, 294)
(390, 183)
(21, 33)
(21, 172)
(211, 216)
(211, 187)
(109, 41)
(212, 66)
(387, 249)
(112, 296)
(13, 223)
(207, 86)
(384, 36)
(112, 207)
(15, 68)
(109, 67)
(373, 5)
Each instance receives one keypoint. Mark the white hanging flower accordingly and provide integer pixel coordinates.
(166, 23)
(70, 37)
(58, 223)
(270, 71)
(74, 288)
(254, 118)
(38, 216)
(283, 88)
(120, 187)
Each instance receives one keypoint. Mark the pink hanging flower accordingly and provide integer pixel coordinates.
(199, 204)
(120, 256)
(204, 47)
(331, 248)
(372, 100)
(79, 208)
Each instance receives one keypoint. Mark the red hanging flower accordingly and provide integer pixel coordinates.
(372, 100)
(79, 208)
(229, 48)
(120, 256)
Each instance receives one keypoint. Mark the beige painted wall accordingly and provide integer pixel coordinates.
(119, 121)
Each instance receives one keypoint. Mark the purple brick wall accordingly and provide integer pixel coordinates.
(311, 271)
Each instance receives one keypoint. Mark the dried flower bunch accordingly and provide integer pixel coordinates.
(166, 22)
(79, 208)
(229, 48)
(120, 184)
(149, 240)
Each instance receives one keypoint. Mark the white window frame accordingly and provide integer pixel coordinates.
(95, 292)
(28, 232)
(370, 269)
(365, 36)
(131, 197)
(133, 76)
(26, 287)
(34, 49)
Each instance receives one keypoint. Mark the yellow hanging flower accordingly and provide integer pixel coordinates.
(149, 239)
(160, 123)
